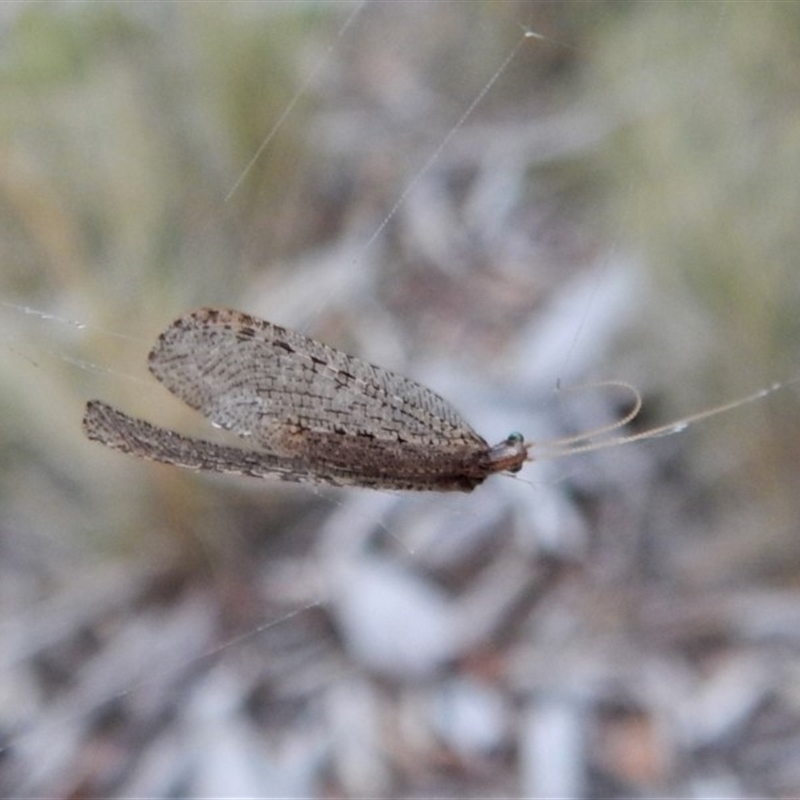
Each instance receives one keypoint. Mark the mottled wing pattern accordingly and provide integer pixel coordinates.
(259, 380)
(104, 423)
(112, 427)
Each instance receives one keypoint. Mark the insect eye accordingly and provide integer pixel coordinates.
(515, 438)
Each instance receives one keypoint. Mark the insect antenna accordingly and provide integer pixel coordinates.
(581, 443)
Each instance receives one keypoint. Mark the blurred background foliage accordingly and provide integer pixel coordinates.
(660, 139)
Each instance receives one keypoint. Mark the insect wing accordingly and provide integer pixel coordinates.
(259, 380)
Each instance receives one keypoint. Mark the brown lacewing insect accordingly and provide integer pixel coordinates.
(310, 412)
(314, 414)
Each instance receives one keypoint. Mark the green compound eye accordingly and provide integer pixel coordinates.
(517, 440)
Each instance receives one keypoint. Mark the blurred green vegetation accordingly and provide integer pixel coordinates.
(126, 127)
(700, 180)
(702, 177)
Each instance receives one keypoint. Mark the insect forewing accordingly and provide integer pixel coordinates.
(258, 379)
